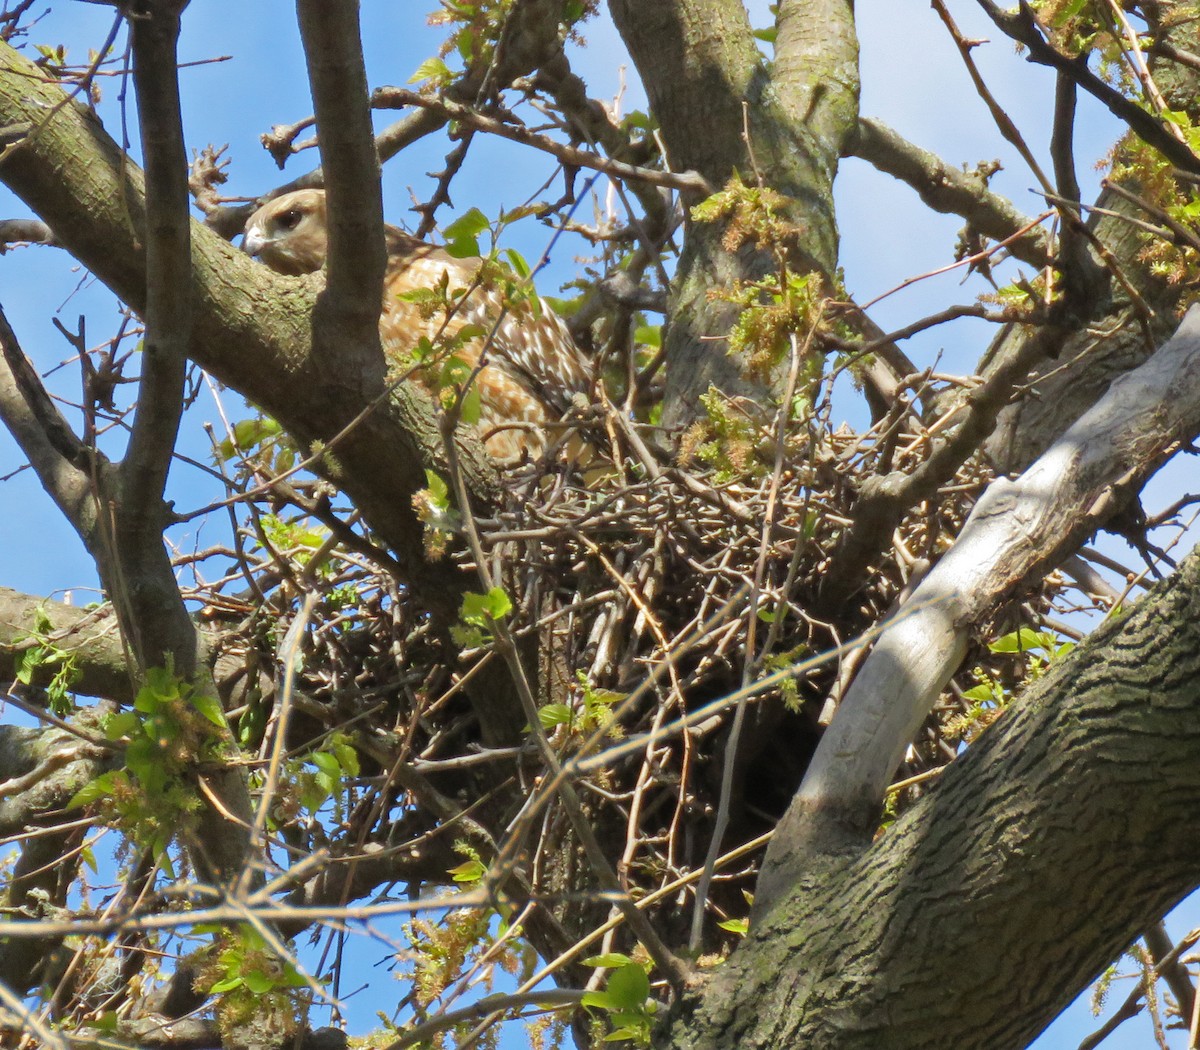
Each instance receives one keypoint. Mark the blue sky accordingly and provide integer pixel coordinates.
(912, 79)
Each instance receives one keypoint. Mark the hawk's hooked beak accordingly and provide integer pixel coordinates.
(253, 241)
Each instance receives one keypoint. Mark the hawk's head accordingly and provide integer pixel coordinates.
(289, 233)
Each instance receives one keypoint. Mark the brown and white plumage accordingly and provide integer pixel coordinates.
(533, 366)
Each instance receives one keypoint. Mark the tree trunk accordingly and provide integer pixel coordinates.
(725, 112)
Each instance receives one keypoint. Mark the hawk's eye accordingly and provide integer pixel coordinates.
(290, 219)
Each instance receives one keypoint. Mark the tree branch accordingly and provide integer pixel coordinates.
(55, 453)
(816, 71)
(396, 98)
(154, 32)
(947, 189)
(531, 38)
(89, 635)
(941, 901)
(58, 765)
(1016, 532)
(133, 562)
(1022, 26)
(883, 501)
(357, 255)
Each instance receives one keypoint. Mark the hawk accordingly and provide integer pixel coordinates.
(532, 367)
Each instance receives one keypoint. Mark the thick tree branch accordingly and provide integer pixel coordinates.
(696, 53)
(722, 111)
(944, 900)
(25, 231)
(947, 189)
(357, 255)
(155, 32)
(251, 328)
(1085, 283)
(129, 550)
(90, 636)
(1017, 531)
(816, 71)
(51, 766)
(131, 557)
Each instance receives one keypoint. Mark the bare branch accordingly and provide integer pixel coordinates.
(884, 500)
(948, 189)
(26, 231)
(141, 514)
(395, 98)
(63, 465)
(1022, 26)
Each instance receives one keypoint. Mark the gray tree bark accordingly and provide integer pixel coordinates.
(1043, 851)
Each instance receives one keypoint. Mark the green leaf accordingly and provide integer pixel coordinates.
(629, 987)
(346, 755)
(648, 335)
(228, 984)
(472, 405)
(739, 926)
(432, 69)
(638, 119)
(466, 44)
(326, 762)
(1069, 12)
(468, 871)
(555, 715)
(293, 978)
(312, 794)
(608, 961)
(439, 491)
(1022, 640)
(480, 609)
(94, 790)
(600, 1000)
(210, 708)
(462, 235)
(469, 224)
(259, 983)
(517, 261)
(162, 857)
(27, 661)
(421, 296)
(1011, 293)
(499, 605)
(635, 1033)
(468, 637)
(603, 697)
(121, 724)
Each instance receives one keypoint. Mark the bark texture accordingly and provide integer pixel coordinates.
(725, 111)
(250, 328)
(972, 921)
